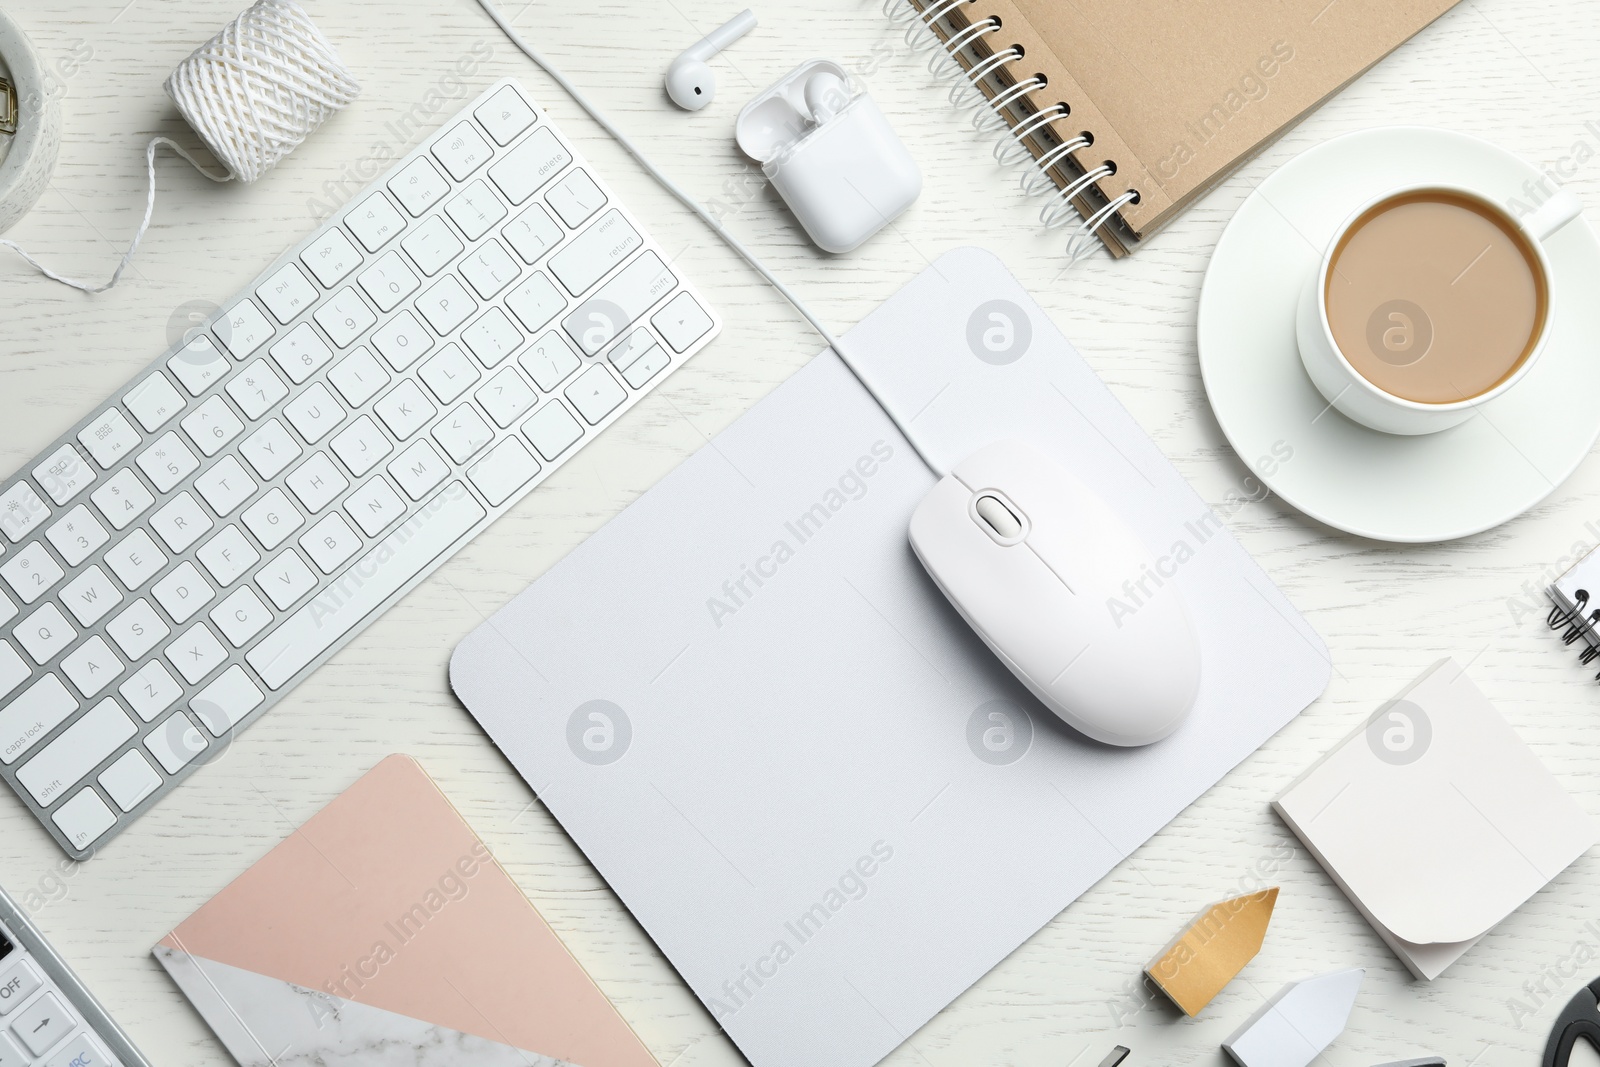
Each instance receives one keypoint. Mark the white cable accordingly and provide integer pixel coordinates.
(253, 93)
(710, 220)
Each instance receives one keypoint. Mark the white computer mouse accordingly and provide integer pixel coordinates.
(1063, 591)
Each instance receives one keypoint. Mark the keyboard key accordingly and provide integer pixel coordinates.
(301, 353)
(225, 485)
(503, 471)
(405, 410)
(244, 329)
(199, 364)
(122, 499)
(32, 715)
(535, 302)
(67, 760)
(92, 666)
(76, 535)
(402, 341)
(358, 377)
(489, 269)
(647, 366)
(505, 115)
(45, 633)
(374, 221)
(331, 257)
(212, 425)
(506, 397)
(446, 305)
(418, 187)
(153, 401)
(228, 556)
(109, 437)
(196, 653)
(373, 507)
(21, 510)
(682, 322)
(330, 542)
(272, 519)
(462, 150)
(591, 255)
(42, 1023)
(31, 572)
(533, 234)
(388, 281)
(82, 1052)
(315, 413)
(181, 523)
(137, 629)
(317, 482)
(529, 166)
(183, 592)
(492, 338)
(462, 432)
(448, 374)
(64, 475)
(287, 578)
(431, 245)
(575, 198)
(226, 701)
(345, 317)
(475, 209)
(84, 818)
(613, 308)
(390, 564)
(417, 470)
(135, 559)
(151, 689)
(595, 394)
(361, 446)
(14, 670)
(269, 450)
(127, 781)
(287, 293)
(242, 615)
(167, 462)
(90, 595)
(552, 430)
(175, 742)
(256, 389)
(18, 984)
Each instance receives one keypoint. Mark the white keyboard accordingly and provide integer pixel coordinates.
(47, 1017)
(381, 393)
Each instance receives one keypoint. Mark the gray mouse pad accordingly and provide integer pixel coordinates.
(813, 785)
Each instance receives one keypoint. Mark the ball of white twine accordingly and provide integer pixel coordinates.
(253, 93)
(261, 86)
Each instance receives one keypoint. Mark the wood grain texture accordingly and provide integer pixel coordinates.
(1516, 72)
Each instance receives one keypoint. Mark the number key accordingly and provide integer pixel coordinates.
(31, 572)
(212, 425)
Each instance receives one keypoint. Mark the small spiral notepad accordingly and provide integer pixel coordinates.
(1124, 126)
(1576, 614)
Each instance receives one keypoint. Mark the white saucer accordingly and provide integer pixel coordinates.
(1435, 487)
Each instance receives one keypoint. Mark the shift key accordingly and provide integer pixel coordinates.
(618, 303)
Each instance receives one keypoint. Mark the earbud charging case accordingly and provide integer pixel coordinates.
(844, 180)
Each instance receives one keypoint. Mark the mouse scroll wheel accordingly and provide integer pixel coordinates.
(998, 517)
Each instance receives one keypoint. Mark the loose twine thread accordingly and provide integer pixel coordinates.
(253, 93)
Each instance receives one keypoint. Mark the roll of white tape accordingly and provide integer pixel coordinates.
(27, 166)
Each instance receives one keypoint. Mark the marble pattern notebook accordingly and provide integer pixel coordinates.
(383, 933)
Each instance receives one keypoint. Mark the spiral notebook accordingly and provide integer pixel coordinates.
(1577, 607)
(1128, 110)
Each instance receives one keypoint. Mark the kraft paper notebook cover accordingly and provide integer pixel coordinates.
(383, 933)
(1174, 94)
(829, 804)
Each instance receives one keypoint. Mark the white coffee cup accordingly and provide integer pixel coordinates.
(1351, 393)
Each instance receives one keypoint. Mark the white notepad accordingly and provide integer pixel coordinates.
(822, 796)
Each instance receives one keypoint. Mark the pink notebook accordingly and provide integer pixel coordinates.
(383, 932)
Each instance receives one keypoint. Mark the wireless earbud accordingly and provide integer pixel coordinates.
(690, 83)
(826, 94)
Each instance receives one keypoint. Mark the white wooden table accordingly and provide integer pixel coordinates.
(1514, 71)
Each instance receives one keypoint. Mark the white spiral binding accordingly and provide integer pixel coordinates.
(990, 113)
